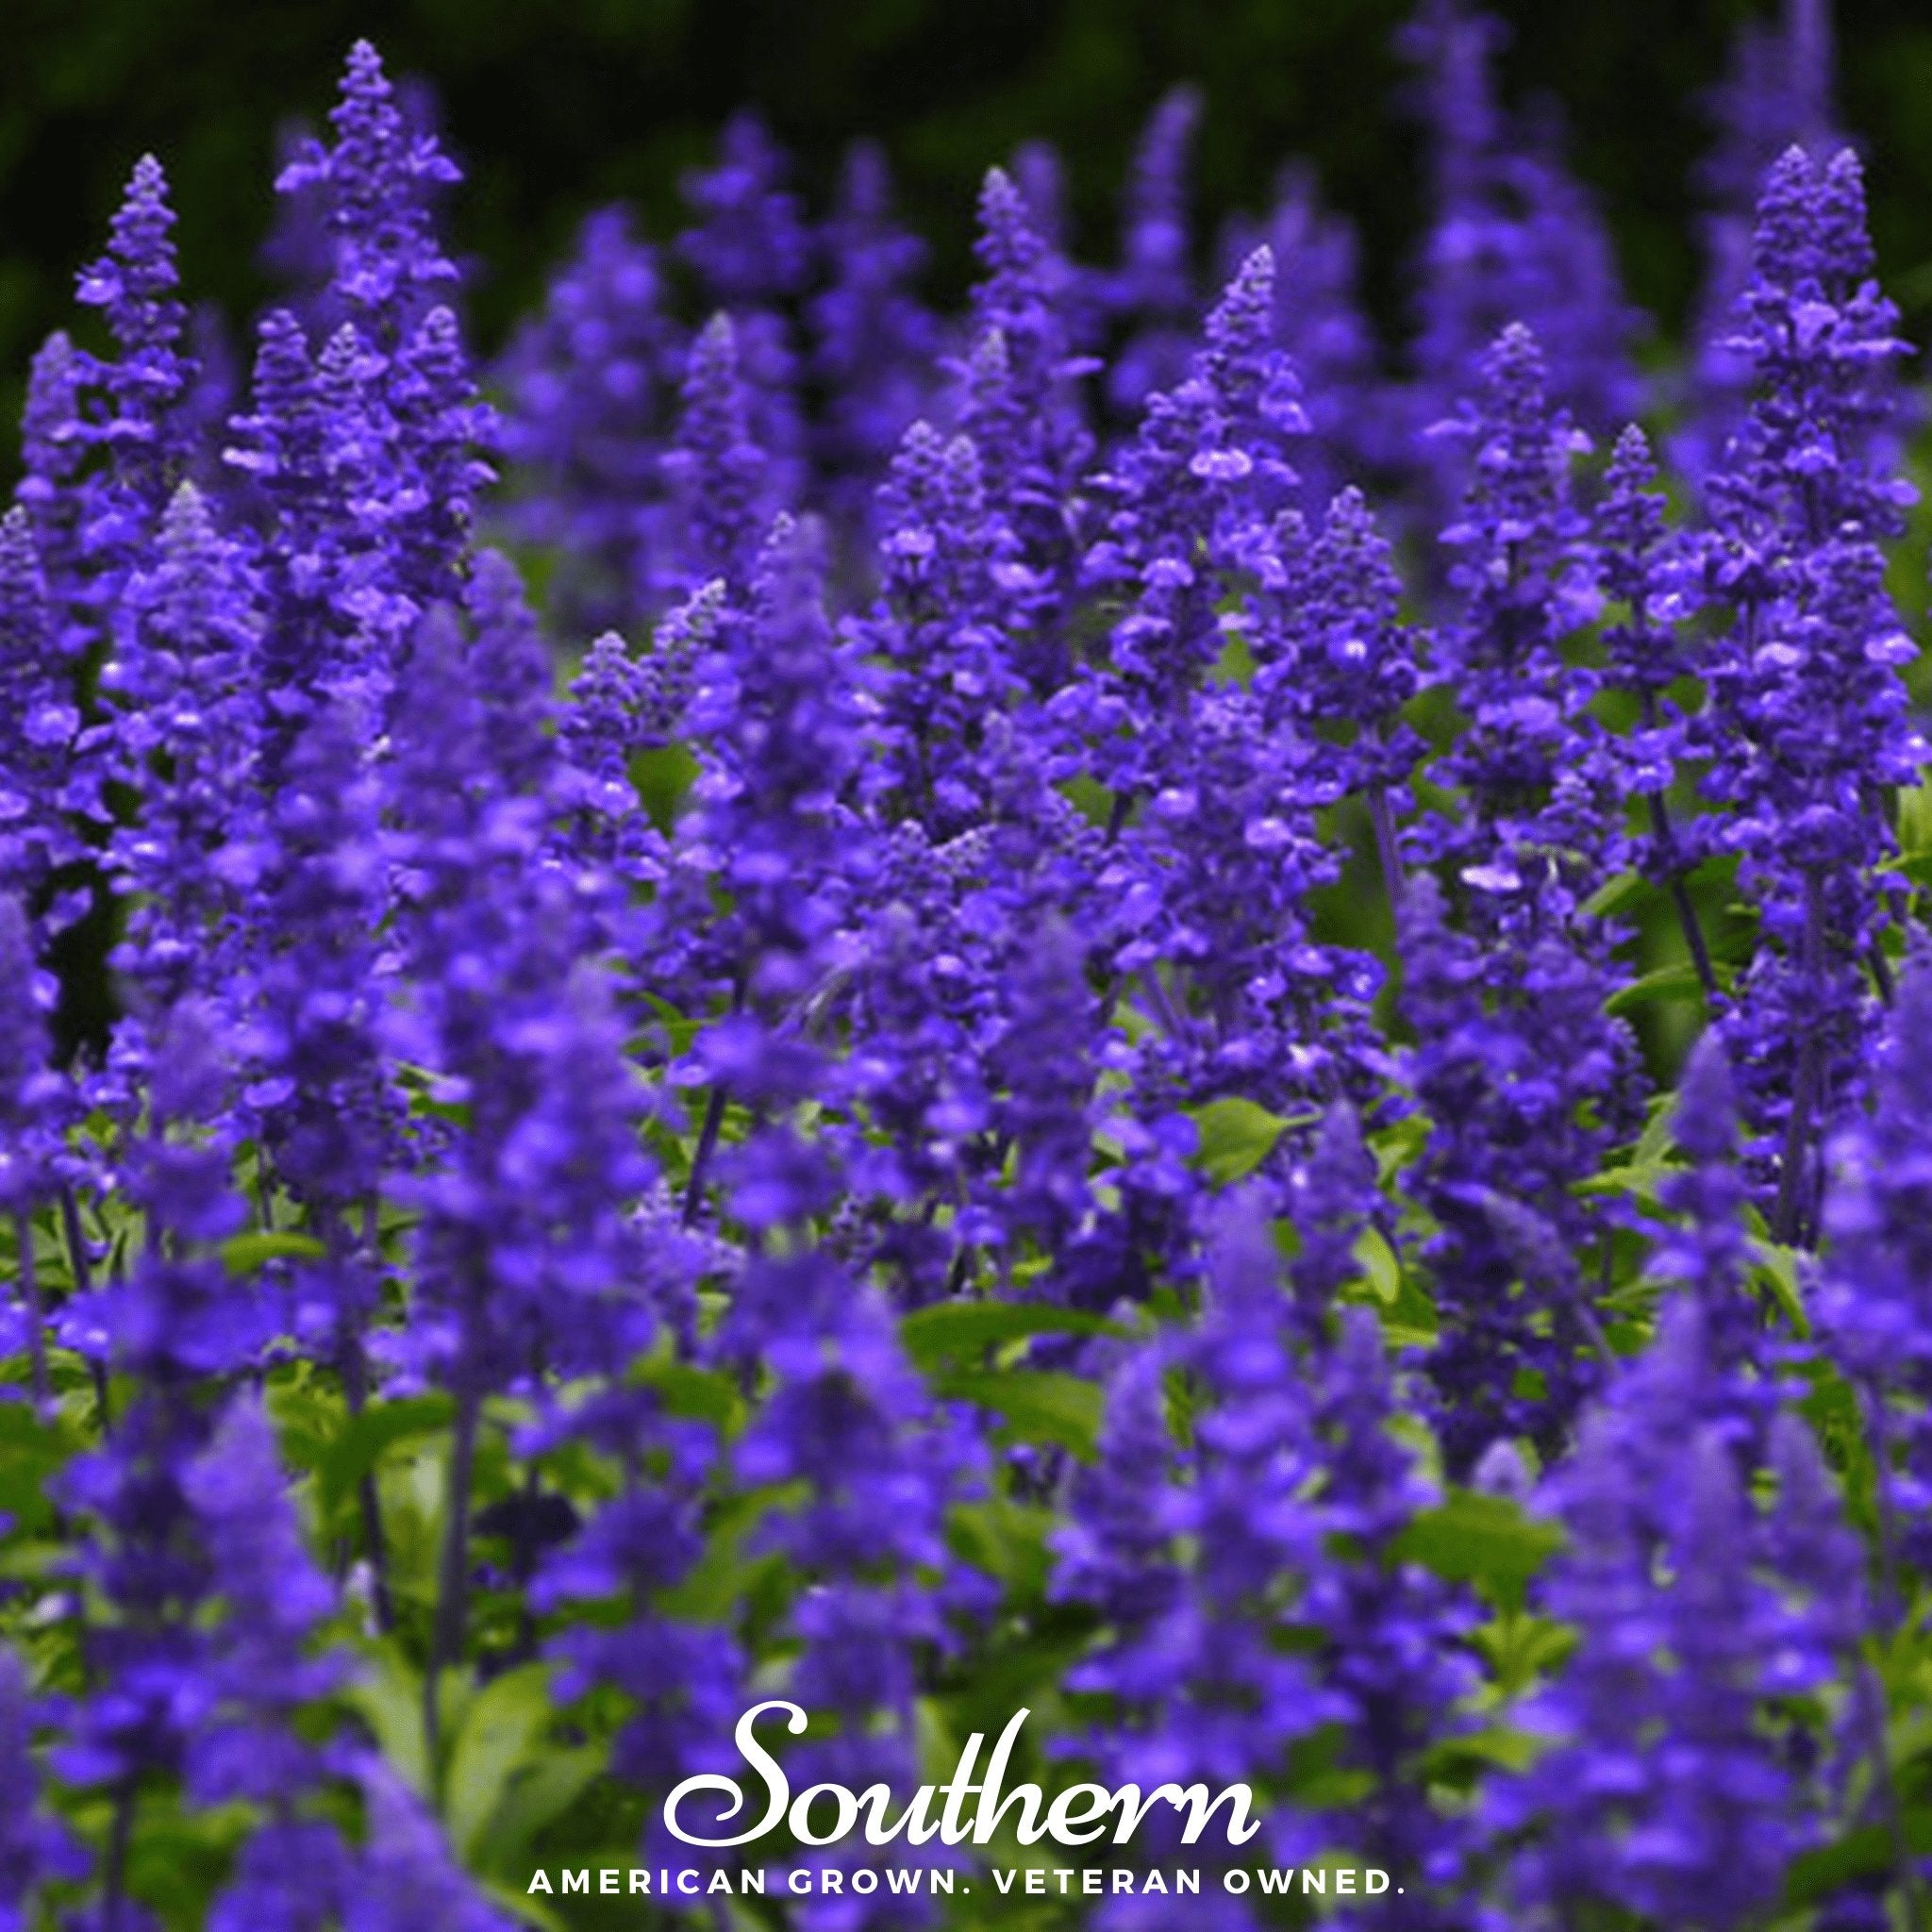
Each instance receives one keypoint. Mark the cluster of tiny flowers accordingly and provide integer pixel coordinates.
(1114, 1002)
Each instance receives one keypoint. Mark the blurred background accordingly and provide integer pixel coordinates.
(551, 109)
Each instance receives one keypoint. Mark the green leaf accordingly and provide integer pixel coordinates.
(504, 1726)
(705, 1395)
(389, 1698)
(717, 1584)
(946, 1330)
(1777, 1270)
(368, 1437)
(1489, 1542)
(1614, 895)
(661, 776)
(541, 1794)
(31, 1451)
(1380, 1265)
(1008, 1541)
(1035, 1405)
(1678, 981)
(243, 1254)
(1237, 1135)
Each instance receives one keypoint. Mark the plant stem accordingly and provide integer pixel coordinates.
(1687, 922)
(354, 1371)
(1787, 1212)
(114, 1880)
(1387, 850)
(701, 1156)
(36, 1315)
(453, 1579)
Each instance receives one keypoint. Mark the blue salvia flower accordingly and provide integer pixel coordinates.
(1194, 498)
(722, 481)
(145, 383)
(1519, 1073)
(685, 1679)
(378, 184)
(1020, 402)
(1512, 238)
(36, 1109)
(1538, 822)
(186, 735)
(1319, 325)
(405, 1880)
(874, 342)
(1776, 93)
(944, 625)
(1873, 1282)
(34, 1846)
(1334, 665)
(271, 1602)
(1151, 296)
(847, 1417)
(776, 706)
(1708, 1253)
(40, 784)
(1648, 571)
(1806, 722)
(1692, 1609)
(1392, 1636)
(1660, 1795)
(51, 451)
(751, 248)
(588, 385)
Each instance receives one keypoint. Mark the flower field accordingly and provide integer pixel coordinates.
(1107, 1002)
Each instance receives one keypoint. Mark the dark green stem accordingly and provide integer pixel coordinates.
(36, 1314)
(453, 1579)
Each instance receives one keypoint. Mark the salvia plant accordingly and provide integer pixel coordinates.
(1117, 1004)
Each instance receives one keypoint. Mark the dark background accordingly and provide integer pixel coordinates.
(555, 105)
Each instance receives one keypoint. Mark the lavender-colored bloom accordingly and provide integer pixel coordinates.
(1512, 238)
(1520, 1072)
(945, 623)
(1019, 402)
(39, 726)
(377, 182)
(1650, 571)
(849, 1419)
(1776, 93)
(34, 1846)
(1319, 325)
(271, 1600)
(186, 638)
(133, 284)
(36, 1106)
(523, 1250)
(1872, 1291)
(589, 383)
(721, 479)
(1392, 1636)
(441, 430)
(52, 450)
(874, 342)
(776, 707)
(1708, 1253)
(1152, 294)
(405, 1880)
(752, 252)
(1661, 1793)
(1194, 499)
(1537, 824)
(1807, 723)
(748, 241)
(1334, 666)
